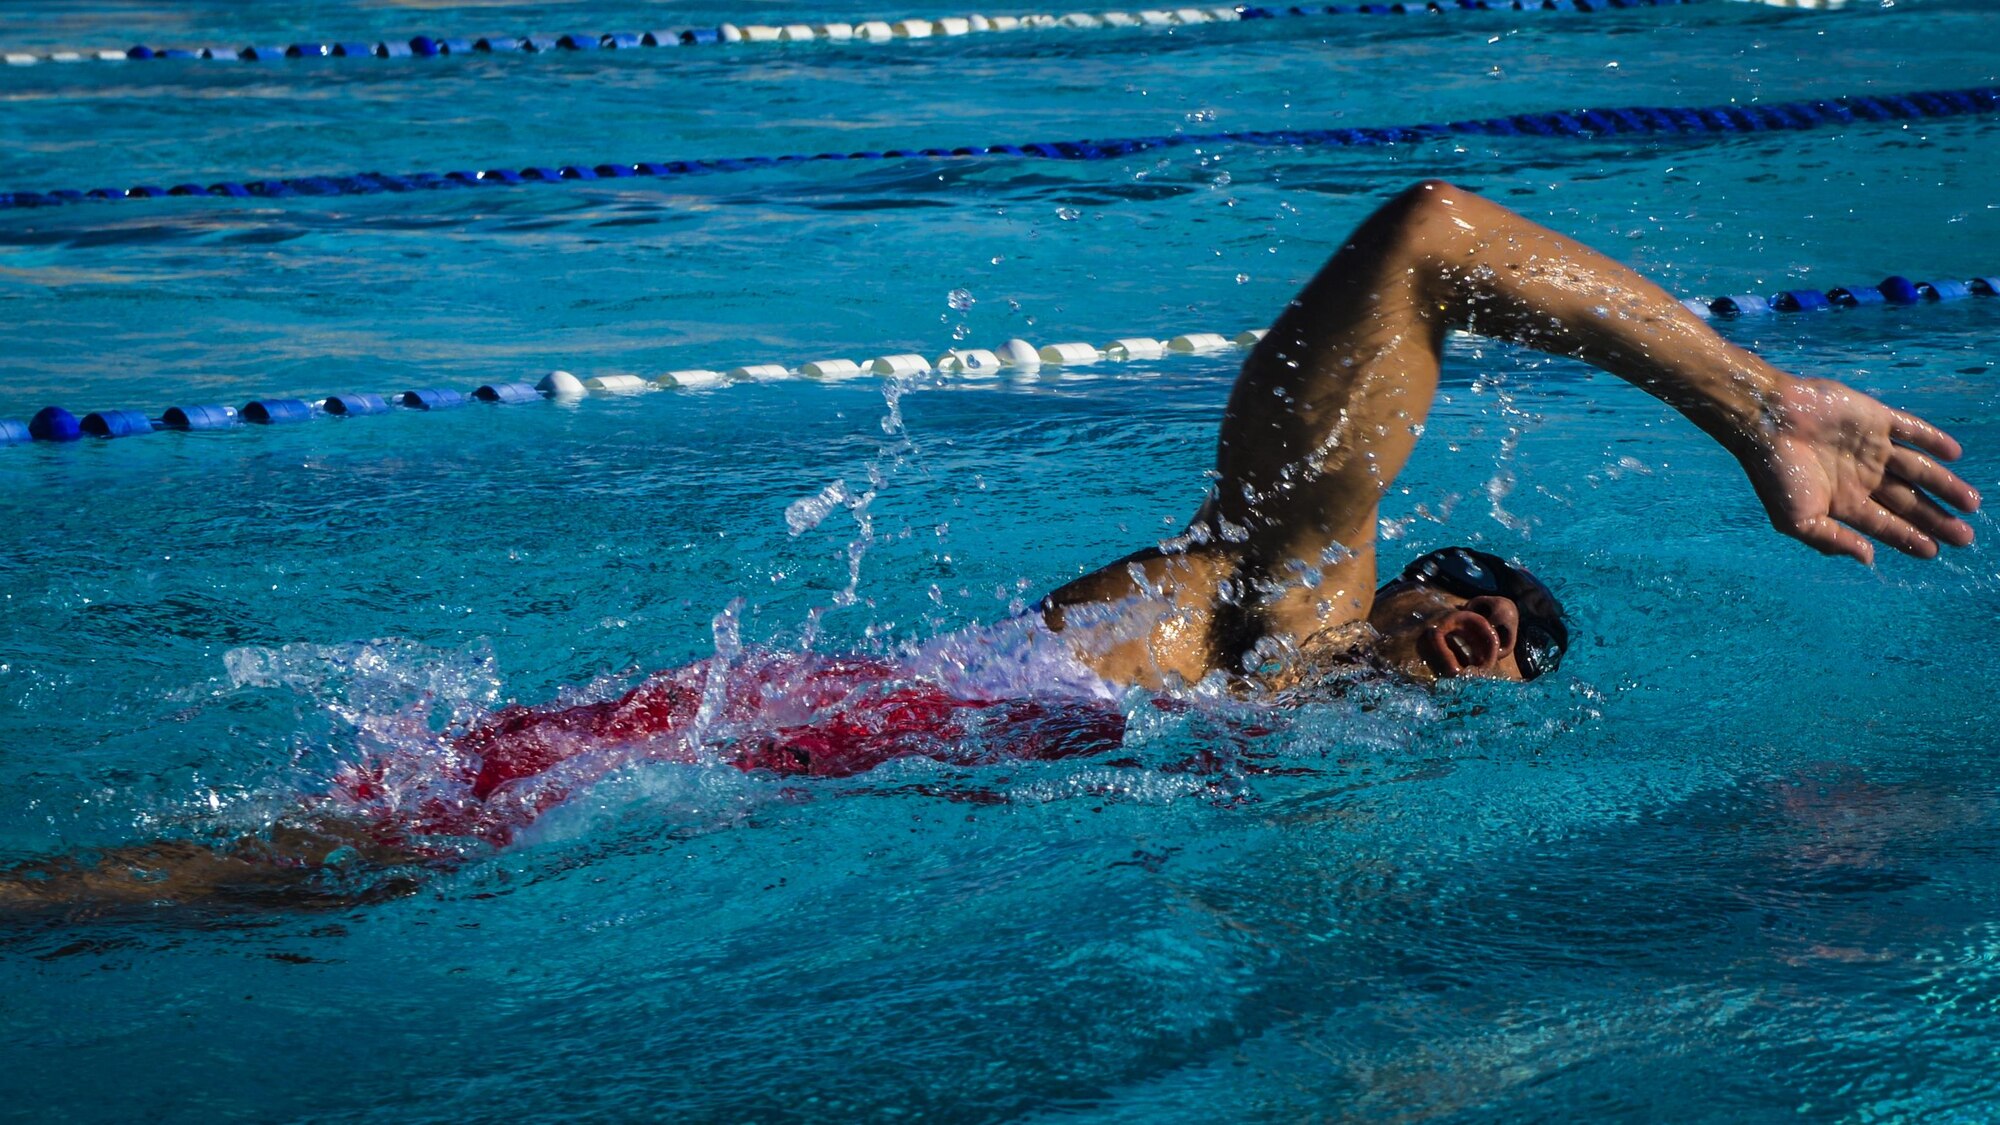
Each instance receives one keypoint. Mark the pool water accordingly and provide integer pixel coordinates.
(1735, 862)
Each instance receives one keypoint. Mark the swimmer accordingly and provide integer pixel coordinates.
(1280, 557)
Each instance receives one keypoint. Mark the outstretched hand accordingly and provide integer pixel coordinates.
(1830, 462)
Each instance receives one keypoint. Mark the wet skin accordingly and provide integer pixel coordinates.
(1432, 635)
(1330, 403)
(1320, 422)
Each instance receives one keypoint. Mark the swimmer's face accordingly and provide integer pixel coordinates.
(1435, 635)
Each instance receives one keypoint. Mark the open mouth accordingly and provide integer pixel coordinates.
(1465, 641)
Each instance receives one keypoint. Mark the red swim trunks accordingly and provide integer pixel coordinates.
(794, 714)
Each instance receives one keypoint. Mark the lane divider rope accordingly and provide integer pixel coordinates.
(1584, 124)
(862, 31)
(55, 424)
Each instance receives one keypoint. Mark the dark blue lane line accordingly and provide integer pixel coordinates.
(1585, 124)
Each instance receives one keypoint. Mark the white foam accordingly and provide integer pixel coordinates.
(1010, 659)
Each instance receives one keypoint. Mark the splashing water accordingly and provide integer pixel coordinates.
(431, 770)
(1006, 695)
(434, 765)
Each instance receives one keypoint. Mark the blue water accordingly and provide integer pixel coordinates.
(1735, 863)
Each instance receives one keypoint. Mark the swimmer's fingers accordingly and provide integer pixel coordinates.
(1933, 478)
(1912, 430)
(1825, 535)
(1922, 512)
(1880, 523)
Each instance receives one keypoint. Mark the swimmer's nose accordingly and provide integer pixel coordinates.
(1504, 616)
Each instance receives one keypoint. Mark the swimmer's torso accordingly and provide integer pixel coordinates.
(1157, 617)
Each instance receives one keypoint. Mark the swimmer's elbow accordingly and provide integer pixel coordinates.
(1429, 200)
(1434, 188)
(1421, 223)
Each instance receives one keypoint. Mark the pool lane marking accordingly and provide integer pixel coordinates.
(1586, 124)
(55, 424)
(860, 31)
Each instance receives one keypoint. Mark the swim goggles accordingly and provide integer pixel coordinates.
(1542, 639)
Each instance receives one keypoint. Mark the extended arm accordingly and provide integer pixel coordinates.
(1330, 404)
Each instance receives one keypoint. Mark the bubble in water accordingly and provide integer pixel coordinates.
(1068, 214)
(1242, 278)
(960, 299)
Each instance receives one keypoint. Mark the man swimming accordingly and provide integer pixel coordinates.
(1278, 567)
(1329, 406)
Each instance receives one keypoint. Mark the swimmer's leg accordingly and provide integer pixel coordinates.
(327, 865)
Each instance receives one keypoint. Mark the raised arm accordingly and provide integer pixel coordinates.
(1330, 404)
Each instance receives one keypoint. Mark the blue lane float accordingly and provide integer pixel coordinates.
(1801, 300)
(355, 406)
(214, 417)
(1586, 124)
(1892, 290)
(53, 423)
(1740, 305)
(116, 423)
(429, 46)
(1899, 291)
(433, 398)
(507, 394)
(277, 411)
